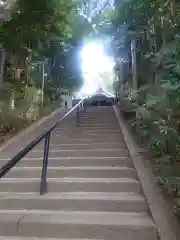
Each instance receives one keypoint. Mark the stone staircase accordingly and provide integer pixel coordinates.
(93, 190)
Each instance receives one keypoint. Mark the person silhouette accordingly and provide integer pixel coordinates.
(65, 104)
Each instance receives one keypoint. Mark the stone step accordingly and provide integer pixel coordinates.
(60, 224)
(71, 185)
(74, 161)
(83, 153)
(74, 172)
(79, 201)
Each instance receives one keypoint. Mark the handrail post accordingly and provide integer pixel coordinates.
(85, 106)
(43, 187)
(78, 117)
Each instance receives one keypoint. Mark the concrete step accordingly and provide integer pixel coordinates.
(92, 120)
(74, 172)
(39, 238)
(89, 127)
(88, 131)
(72, 132)
(83, 153)
(71, 185)
(99, 116)
(81, 139)
(73, 161)
(83, 146)
(90, 134)
(93, 191)
(97, 120)
(79, 201)
(87, 135)
(98, 225)
(84, 135)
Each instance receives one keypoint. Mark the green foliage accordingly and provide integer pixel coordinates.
(154, 24)
(38, 34)
(43, 32)
(31, 23)
(10, 120)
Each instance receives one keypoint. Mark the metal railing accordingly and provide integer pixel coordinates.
(45, 135)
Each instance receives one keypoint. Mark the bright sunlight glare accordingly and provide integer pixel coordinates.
(95, 65)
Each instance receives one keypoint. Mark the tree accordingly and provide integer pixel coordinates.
(33, 25)
(153, 27)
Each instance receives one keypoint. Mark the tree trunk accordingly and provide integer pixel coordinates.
(134, 66)
(2, 61)
(12, 101)
(135, 80)
(121, 76)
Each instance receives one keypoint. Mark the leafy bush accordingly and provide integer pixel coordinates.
(157, 121)
(10, 120)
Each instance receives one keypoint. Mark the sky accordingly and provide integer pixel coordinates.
(95, 66)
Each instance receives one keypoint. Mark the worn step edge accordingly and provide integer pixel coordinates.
(86, 130)
(75, 172)
(88, 161)
(105, 225)
(82, 144)
(72, 217)
(60, 145)
(83, 150)
(71, 185)
(78, 201)
(40, 238)
(84, 154)
(72, 158)
(70, 180)
(85, 140)
(90, 168)
(74, 195)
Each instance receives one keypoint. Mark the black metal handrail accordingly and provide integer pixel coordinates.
(45, 135)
